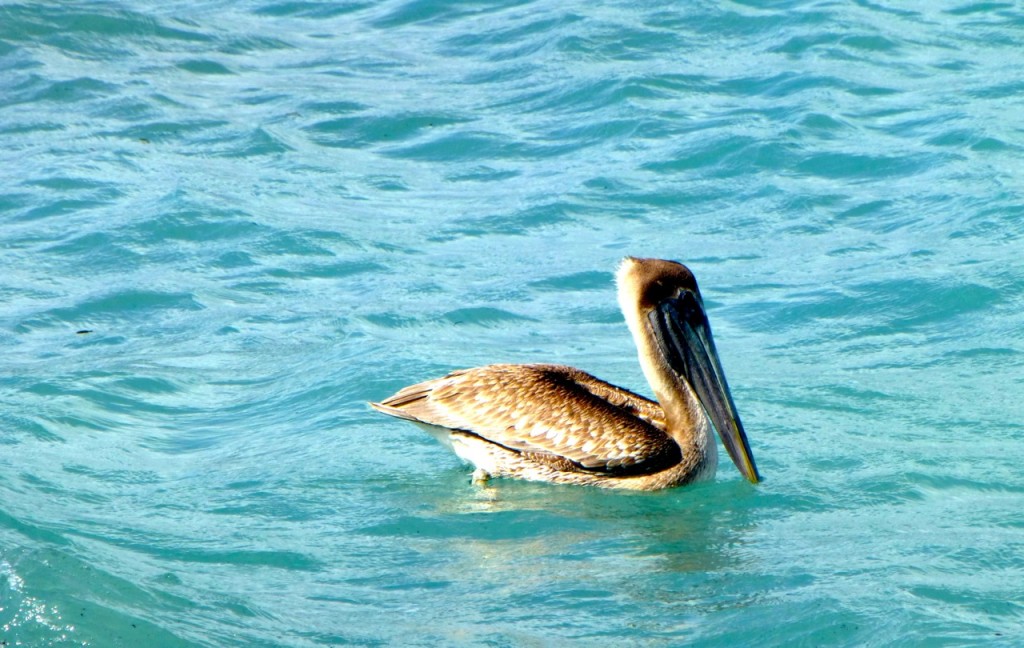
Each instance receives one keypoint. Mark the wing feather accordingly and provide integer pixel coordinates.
(545, 410)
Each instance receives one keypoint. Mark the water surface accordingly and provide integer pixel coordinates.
(225, 226)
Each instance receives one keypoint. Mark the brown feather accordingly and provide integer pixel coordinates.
(594, 425)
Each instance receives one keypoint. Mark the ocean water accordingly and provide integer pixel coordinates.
(225, 226)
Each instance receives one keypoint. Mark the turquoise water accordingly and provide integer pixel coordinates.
(228, 225)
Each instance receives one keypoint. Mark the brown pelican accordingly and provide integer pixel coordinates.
(555, 423)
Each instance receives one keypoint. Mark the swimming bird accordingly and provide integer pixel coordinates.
(546, 422)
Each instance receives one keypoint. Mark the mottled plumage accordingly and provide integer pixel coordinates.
(556, 423)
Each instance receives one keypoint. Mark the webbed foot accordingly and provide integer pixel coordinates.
(481, 477)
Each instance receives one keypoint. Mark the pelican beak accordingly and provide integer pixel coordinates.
(684, 335)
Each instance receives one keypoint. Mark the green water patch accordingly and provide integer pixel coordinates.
(253, 43)
(973, 8)
(61, 207)
(477, 146)
(728, 156)
(192, 225)
(490, 526)
(358, 131)
(97, 252)
(483, 316)
(520, 223)
(166, 131)
(204, 67)
(310, 9)
(500, 42)
(336, 270)
(180, 552)
(877, 307)
(860, 166)
(588, 280)
(421, 12)
(250, 143)
(63, 25)
(126, 305)
(31, 531)
(16, 427)
(73, 91)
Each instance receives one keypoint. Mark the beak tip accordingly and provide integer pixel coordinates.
(751, 474)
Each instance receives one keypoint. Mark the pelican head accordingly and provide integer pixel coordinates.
(665, 313)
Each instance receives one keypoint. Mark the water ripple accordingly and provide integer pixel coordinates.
(229, 225)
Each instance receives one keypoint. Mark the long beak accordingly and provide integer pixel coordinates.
(684, 335)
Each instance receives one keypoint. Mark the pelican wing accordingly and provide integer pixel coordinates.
(551, 412)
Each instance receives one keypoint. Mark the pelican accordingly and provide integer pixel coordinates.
(554, 423)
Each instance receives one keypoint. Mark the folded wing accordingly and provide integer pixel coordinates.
(551, 412)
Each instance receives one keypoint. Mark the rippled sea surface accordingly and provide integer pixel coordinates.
(225, 226)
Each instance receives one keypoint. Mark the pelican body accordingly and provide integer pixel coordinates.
(554, 423)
